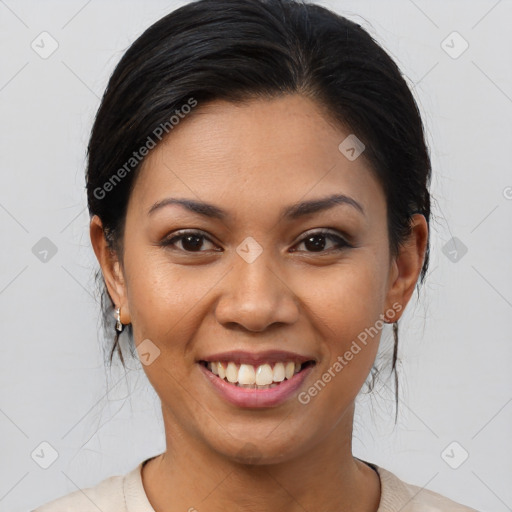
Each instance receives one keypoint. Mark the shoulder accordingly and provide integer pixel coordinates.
(107, 496)
(397, 495)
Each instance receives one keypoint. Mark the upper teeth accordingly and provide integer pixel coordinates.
(247, 374)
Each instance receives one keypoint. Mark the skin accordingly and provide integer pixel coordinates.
(252, 160)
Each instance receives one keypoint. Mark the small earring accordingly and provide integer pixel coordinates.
(119, 325)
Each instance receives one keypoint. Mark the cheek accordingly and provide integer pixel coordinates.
(165, 305)
(346, 314)
(346, 298)
(165, 300)
(346, 307)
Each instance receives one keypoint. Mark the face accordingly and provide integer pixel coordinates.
(258, 280)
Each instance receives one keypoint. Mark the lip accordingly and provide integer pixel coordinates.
(267, 356)
(256, 398)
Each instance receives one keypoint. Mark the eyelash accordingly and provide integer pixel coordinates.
(341, 243)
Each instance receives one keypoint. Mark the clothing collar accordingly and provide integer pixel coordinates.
(392, 490)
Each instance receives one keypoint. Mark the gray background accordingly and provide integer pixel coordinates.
(456, 350)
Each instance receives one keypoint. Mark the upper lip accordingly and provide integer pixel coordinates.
(257, 358)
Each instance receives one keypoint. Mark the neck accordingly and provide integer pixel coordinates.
(191, 476)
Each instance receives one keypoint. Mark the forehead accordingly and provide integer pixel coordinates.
(276, 151)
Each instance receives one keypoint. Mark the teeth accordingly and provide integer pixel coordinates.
(264, 375)
(221, 369)
(232, 372)
(289, 370)
(249, 376)
(246, 375)
(279, 373)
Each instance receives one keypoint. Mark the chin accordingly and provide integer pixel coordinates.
(262, 449)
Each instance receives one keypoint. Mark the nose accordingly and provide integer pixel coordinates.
(255, 295)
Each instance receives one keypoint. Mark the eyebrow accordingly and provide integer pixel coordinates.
(292, 212)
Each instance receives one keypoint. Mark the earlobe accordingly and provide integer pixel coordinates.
(408, 264)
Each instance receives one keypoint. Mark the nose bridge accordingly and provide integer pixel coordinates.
(254, 277)
(254, 295)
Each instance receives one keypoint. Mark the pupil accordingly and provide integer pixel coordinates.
(192, 245)
(319, 245)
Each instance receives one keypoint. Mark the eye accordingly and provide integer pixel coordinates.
(191, 241)
(316, 241)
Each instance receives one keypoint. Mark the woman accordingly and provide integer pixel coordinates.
(258, 185)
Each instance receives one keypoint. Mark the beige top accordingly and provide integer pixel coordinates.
(125, 493)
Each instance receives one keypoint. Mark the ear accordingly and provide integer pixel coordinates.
(406, 267)
(110, 267)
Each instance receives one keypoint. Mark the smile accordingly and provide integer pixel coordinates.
(260, 385)
(262, 376)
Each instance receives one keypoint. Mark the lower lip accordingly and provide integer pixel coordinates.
(256, 398)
